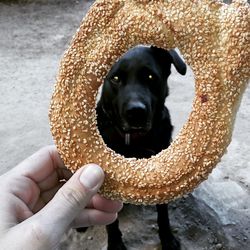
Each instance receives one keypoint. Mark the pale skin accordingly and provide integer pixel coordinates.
(38, 206)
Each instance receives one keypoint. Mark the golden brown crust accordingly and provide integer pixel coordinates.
(214, 39)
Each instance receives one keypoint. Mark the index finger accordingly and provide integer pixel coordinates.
(41, 164)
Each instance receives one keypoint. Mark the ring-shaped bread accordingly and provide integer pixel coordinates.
(214, 40)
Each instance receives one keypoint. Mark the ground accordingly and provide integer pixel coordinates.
(33, 37)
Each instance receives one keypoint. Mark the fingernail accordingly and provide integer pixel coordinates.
(91, 176)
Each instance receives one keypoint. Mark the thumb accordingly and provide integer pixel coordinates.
(71, 199)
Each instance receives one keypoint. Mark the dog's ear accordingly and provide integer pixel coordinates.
(171, 56)
(179, 64)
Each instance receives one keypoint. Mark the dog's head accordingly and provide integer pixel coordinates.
(135, 89)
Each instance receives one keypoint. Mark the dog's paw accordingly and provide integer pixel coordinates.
(172, 244)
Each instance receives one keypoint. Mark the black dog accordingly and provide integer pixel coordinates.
(134, 121)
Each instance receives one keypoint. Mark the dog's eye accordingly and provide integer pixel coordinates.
(150, 77)
(115, 79)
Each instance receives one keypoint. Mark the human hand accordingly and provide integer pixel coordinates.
(38, 206)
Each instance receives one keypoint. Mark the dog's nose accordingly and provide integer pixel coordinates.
(136, 114)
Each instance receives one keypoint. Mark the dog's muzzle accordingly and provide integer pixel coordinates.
(135, 115)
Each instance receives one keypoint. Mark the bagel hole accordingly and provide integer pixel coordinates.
(178, 103)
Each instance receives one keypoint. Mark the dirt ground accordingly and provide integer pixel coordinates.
(33, 37)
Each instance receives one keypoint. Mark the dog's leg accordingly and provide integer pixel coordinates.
(168, 241)
(115, 237)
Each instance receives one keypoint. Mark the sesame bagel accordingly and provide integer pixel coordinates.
(213, 38)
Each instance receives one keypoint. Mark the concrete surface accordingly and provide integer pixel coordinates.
(33, 37)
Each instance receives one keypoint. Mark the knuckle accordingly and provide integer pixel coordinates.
(73, 197)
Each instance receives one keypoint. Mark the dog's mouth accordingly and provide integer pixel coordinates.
(136, 131)
(133, 133)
